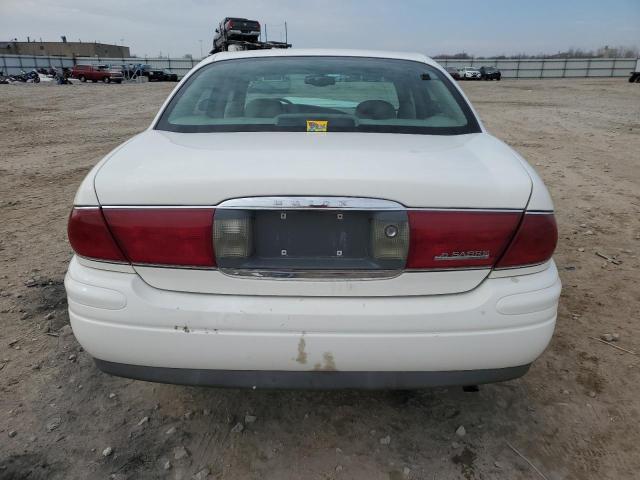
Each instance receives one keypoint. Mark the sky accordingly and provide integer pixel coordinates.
(478, 27)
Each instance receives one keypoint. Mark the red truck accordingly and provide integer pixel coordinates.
(96, 73)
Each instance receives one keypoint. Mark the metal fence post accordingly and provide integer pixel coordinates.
(588, 68)
(542, 67)
(613, 66)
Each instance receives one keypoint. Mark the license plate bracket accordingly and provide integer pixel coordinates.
(312, 240)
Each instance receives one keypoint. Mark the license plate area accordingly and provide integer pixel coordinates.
(315, 240)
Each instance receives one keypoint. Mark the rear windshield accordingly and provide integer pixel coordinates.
(326, 94)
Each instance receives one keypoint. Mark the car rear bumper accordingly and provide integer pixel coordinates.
(311, 379)
(255, 340)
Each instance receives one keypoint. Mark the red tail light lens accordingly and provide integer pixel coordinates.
(459, 239)
(437, 239)
(164, 236)
(90, 237)
(534, 242)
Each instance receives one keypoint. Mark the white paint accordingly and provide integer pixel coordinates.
(437, 332)
(168, 168)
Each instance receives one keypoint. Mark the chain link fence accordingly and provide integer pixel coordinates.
(13, 64)
(510, 68)
(550, 67)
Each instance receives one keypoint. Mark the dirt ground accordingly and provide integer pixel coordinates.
(575, 415)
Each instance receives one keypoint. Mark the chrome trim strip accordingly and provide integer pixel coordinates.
(315, 274)
(527, 265)
(190, 207)
(98, 260)
(312, 274)
(315, 202)
(294, 202)
(401, 207)
(173, 267)
(340, 273)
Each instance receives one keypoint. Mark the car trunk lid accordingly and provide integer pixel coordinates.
(403, 173)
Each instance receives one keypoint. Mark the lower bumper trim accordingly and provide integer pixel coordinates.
(323, 380)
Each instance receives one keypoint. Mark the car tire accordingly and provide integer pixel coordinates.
(82, 78)
(106, 79)
(499, 77)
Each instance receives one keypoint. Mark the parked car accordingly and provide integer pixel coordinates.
(31, 76)
(161, 75)
(263, 240)
(270, 84)
(453, 71)
(490, 73)
(470, 73)
(232, 28)
(136, 69)
(635, 75)
(97, 73)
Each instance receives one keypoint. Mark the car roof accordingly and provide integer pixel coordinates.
(319, 52)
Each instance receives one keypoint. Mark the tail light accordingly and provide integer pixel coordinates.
(459, 239)
(389, 237)
(430, 240)
(534, 242)
(455, 239)
(233, 234)
(164, 236)
(90, 237)
(230, 23)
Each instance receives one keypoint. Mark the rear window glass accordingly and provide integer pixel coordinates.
(327, 93)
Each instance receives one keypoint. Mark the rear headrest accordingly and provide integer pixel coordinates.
(263, 108)
(375, 110)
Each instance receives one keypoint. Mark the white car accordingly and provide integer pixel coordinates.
(361, 230)
(470, 73)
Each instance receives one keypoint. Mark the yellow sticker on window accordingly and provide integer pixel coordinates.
(317, 125)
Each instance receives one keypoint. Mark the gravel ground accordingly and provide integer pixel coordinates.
(575, 415)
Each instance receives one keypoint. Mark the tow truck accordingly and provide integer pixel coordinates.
(237, 34)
